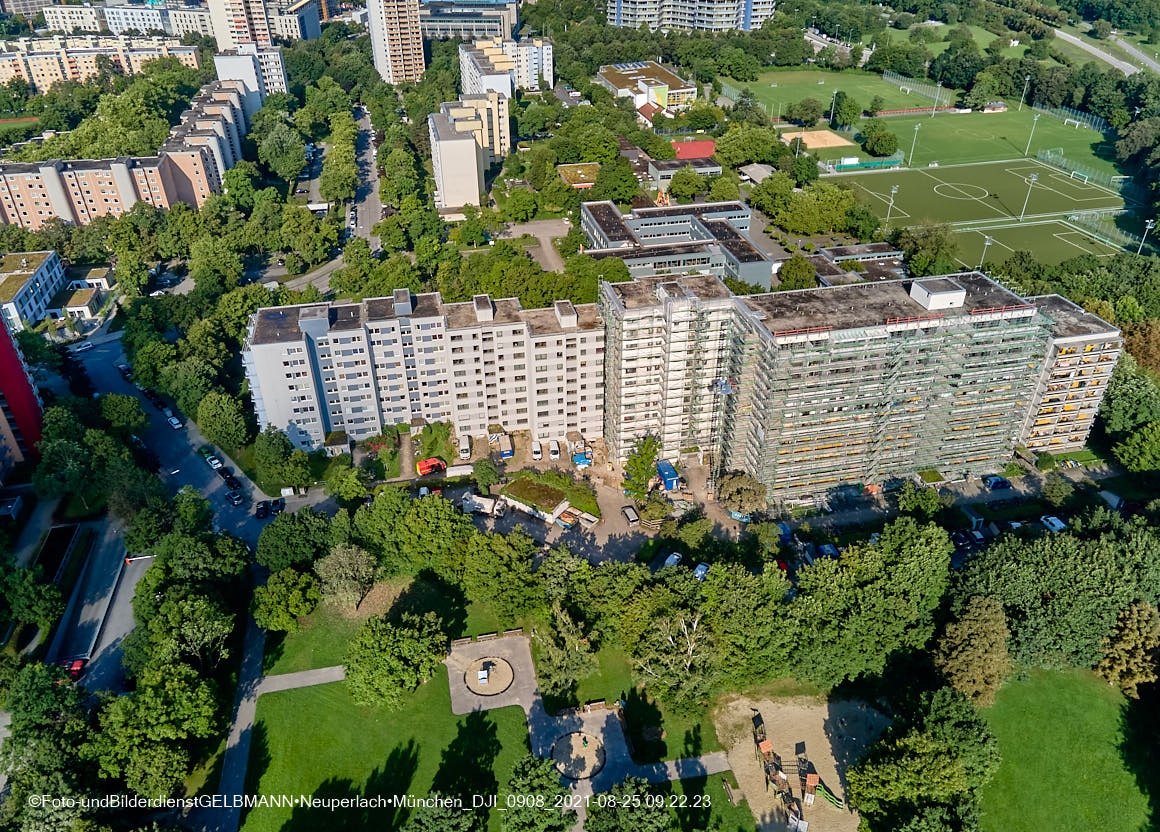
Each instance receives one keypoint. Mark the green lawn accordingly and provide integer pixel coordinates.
(1051, 242)
(1060, 736)
(689, 797)
(985, 193)
(981, 37)
(321, 642)
(579, 493)
(317, 741)
(785, 87)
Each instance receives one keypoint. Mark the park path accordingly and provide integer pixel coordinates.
(1123, 66)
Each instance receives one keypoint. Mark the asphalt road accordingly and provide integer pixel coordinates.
(1138, 53)
(1086, 46)
(180, 465)
(366, 198)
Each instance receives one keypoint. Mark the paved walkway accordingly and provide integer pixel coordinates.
(301, 679)
(1137, 53)
(39, 522)
(1123, 66)
(545, 232)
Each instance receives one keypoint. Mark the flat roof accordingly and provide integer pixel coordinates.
(869, 304)
(16, 269)
(642, 292)
(580, 173)
(627, 76)
(859, 250)
(733, 240)
(66, 298)
(611, 221)
(697, 209)
(677, 164)
(1070, 320)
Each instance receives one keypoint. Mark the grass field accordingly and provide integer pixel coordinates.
(317, 741)
(1060, 735)
(1051, 242)
(977, 193)
(790, 86)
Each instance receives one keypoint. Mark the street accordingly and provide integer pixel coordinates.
(366, 199)
(1123, 66)
(1138, 54)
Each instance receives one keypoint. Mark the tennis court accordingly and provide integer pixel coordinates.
(979, 193)
(1050, 241)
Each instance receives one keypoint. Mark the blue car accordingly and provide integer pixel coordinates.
(996, 483)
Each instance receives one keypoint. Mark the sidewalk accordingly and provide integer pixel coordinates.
(39, 522)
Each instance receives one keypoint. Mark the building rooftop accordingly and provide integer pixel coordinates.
(733, 240)
(69, 298)
(677, 164)
(650, 73)
(871, 304)
(579, 175)
(697, 209)
(16, 269)
(860, 251)
(611, 221)
(1072, 321)
(642, 292)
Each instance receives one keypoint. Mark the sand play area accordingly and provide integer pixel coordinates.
(807, 736)
(814, 139)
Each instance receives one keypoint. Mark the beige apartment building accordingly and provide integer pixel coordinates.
(42, 69)
(484, 116)
(187, 168)
(319, 368)
(86, 18)
(396, 39)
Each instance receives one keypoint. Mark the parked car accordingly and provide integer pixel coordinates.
(554, 450)
(225, 472)
(672, 559)
(85, 347)
(206, 452)
(175, 423)
(701, 571)
(537, 451)
(277, 506)
(630, 515)
(996, 483)
(213, 462)
(262, 510)
(1052, 523)
(429, 466)
(465, 447)
(233, 483)
(125, 371)
(234, 498)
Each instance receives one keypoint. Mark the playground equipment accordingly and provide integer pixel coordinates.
(775, 775)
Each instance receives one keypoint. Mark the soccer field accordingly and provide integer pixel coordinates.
(979, 193)
(789, 87)
(1051, 241)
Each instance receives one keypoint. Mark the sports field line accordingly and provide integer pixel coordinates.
(1063, 237)
(1059, 178)
(897, 212)
(980, 200)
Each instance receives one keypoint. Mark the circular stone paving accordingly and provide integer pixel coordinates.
(960, 190)
(578, 756)
(499, 676)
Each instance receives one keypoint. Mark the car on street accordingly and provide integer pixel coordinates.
(996, 483)
(465, 447)
(277, 506)
(701, 571)
(225, 472)
(175, 423)
(630, 515)
(233, 483)
(672, 559)
(85, 347)
(125, 371)
(1052, 523)
(234, 498)
(206, 451)
(262, 510)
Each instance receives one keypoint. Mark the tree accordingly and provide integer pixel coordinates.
(877, 103)
(439, 814)
(498, 568)
(387, 661)
(805, 112)
(922, 503)
(1140, 451)
(633, 808)
(972, 653)
(1130, 652)
(283, 151)
(740, 492)
(1057, 489)
(286, 596)
(31, 599)
(38, 352)
(563, 654)
(347, 575)
(929, 249)
(347, 483)
(221, 419)
(686, 184)
(796, 273)
(536, 776)
(486, 475)
(271, 450)
(877, 138)
(641, 467)
(194, 627)
(521, 205)
(123, 413)
(846, 110)
(293, 540)
(616, 181)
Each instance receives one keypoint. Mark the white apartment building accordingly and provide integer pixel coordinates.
(28, 282)
(319, 368)
(185, 20)
(703, 15)
(456, 163)
(260, 72)
(396, 39)
(503, 65)
(85, 18)
(485, 116)
(143, 19)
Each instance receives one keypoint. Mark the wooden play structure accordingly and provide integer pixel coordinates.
(778, 774)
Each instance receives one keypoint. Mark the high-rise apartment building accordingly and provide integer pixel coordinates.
(188, 168)
(503, 65)
(240, 23)
(20, 406)
(396, 39)
(298, 21)
(468, 136)
(46, 63)
(319, 368)
(703, 15)
(86, 18)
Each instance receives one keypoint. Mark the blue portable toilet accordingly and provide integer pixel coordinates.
(668, 475)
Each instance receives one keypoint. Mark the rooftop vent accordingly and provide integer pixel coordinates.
(402, 300)
(565, 313)
(938, 293)
(484, 309)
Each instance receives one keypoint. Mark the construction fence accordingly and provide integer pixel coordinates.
(934, 92)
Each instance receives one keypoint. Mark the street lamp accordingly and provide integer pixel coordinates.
(1026, 84)
(890, 208)
(986, 242)
(937, 96)
(1034, 121)
(833, 103)
(1030, 184)
(913, 143)
(1148, 226)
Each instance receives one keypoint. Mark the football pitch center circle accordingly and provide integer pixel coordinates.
(961, 190)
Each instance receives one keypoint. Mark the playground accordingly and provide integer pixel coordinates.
(790, 757)
(978, 193)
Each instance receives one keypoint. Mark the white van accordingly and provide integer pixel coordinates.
(1053, 524)
(554, 450)
(465, 447)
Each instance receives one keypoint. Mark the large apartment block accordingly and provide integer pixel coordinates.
(320, 368)
(503, 65)
(28, 282)
(443, 20)
(707, 237)
(396, 40)
(467, 136)
(44, 64)
(188, 168)
(703, 15)
(848, 386)
(86, 18)
(20, 406)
